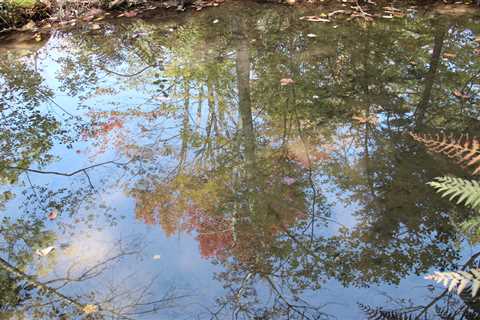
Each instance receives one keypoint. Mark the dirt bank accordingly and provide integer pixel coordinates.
(35, 15)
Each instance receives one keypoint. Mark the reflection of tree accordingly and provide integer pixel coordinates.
(42, 299)
(244, 164)
(227, 192)
(430, 76)
(446, 305)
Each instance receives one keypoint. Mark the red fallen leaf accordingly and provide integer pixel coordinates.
(53, 214)
(130, 14)
(286, 81)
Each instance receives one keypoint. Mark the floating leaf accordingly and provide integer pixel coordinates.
(90, 308)
(88, 18)
(447, 55)
(391, 9)
(363, 119)
(314, 19)
(53, 214)
(288, 180)
(131, 14)
(45, 251)
(459, 94)
(286, 81)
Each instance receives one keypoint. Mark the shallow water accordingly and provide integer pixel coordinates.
(237, 162)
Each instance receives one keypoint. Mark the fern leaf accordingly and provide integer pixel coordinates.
(462, 313)
(465, 150)
(466, 192)
(375, 313)
(471, 227)
(458, 281)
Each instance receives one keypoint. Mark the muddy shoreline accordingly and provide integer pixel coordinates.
(33, 22)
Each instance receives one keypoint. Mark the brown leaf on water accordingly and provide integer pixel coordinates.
(363, 119)
(314, 19)
(29, 26)
(88, 18)
(53, 214)
(130, 14)
(449, 55)
(333, 13)
(391, 9)
(89, 308)
(286, 81)
(307, 153)
(461, 95)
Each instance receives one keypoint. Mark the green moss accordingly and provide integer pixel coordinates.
(23, 3)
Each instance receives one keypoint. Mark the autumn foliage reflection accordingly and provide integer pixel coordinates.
(225, 208)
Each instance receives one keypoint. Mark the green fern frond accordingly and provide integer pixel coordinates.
(458, 280)
(465, 150)
(471, 228)
(466, 191)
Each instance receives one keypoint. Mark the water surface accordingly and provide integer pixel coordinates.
(233, 163)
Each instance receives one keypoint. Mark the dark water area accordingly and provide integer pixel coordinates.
(235, 163)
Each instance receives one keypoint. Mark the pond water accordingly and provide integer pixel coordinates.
(234, 163)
